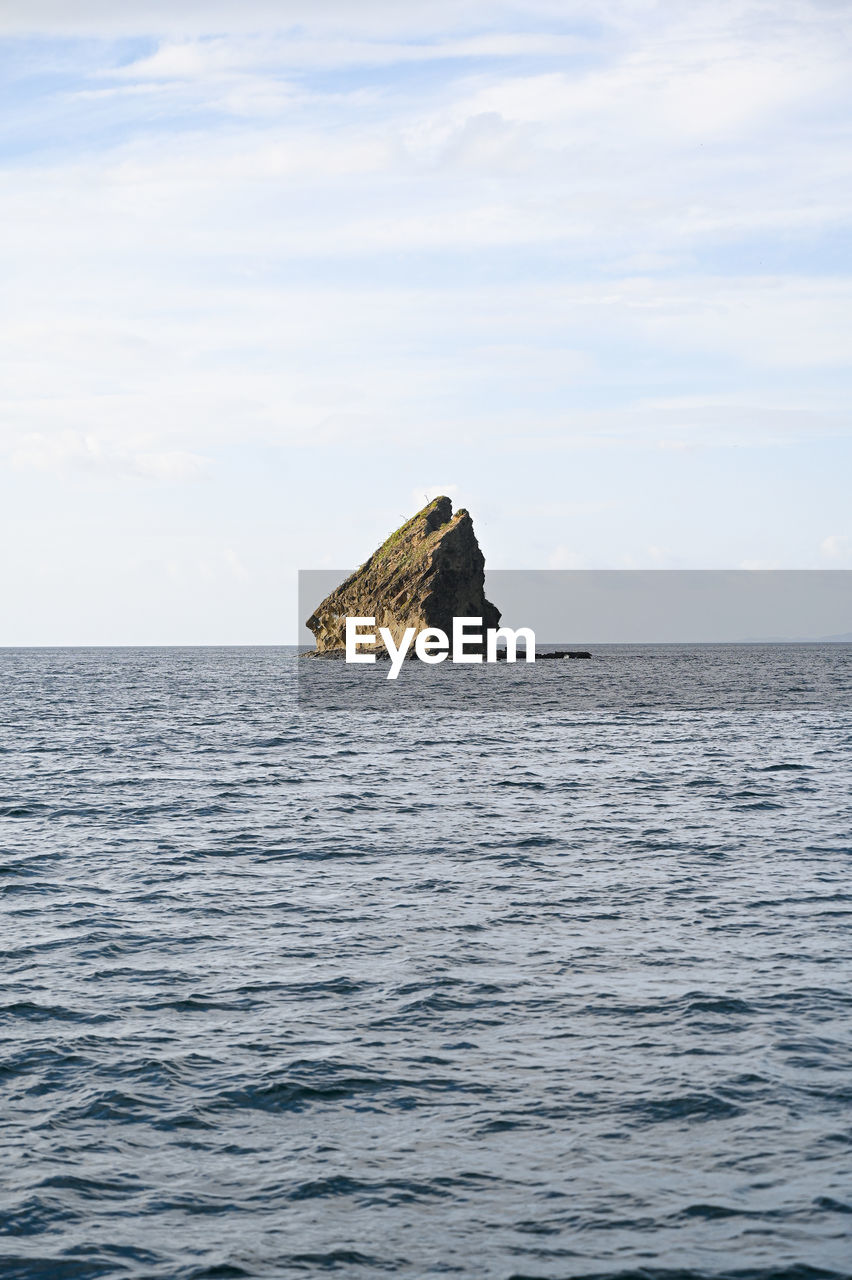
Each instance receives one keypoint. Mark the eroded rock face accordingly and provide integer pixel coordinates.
(428, 572)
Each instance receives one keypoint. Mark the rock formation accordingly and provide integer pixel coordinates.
(428, 572)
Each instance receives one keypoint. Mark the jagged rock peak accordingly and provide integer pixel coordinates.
(425, 574)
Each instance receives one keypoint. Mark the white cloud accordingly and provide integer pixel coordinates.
(175, 464)
(212, 57)
(234, 564)
(563, 557)
(71, 450)
(133, 389)
(837, 549)
(603, 156)
(383, 19)
(406, 236)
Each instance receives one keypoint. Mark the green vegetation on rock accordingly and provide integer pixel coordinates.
(427, 572)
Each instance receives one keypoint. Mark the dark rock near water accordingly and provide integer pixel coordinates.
(563, 653)
(547, 653)
(428, 572)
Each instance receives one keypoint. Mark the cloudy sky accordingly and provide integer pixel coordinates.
(275, 272)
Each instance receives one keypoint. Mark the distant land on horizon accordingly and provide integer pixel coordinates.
(845, 638)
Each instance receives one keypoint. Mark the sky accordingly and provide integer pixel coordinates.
(276, 273)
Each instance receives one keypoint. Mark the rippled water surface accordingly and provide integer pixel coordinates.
(512, 972)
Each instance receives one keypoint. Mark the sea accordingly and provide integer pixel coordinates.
(532, 971)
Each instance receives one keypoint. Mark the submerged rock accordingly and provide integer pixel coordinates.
(428, 572)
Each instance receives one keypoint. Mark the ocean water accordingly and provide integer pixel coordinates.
(498, 972)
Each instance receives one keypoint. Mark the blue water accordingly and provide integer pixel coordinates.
(533, 972)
